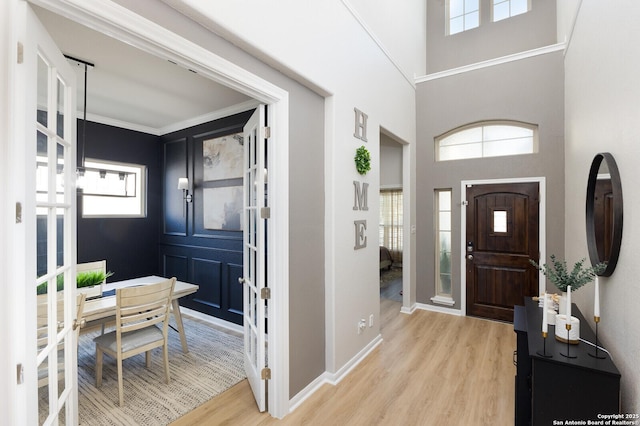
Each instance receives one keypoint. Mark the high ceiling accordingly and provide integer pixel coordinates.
(136, 90)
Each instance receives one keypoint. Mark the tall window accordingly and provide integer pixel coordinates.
(443, 247)
(487, 139)
(462, 15)
(503, 9)
(113, 189)
(390, 229)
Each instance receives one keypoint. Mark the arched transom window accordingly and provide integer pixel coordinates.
(487, 139)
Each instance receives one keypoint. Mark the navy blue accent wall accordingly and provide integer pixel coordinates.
(210, 258)
(130, 245)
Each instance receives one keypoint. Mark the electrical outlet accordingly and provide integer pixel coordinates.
(362, 324)
(371, 320)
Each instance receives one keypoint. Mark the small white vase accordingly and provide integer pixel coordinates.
(562, 304)
(562, 334)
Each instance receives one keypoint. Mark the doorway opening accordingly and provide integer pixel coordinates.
(394, 218)
(174, 48)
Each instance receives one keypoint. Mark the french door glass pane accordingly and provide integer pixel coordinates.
(43, 91)
(60, 110)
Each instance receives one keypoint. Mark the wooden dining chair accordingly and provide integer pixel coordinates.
(43, 331)
(139, 311)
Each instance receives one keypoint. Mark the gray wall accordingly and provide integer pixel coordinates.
(602, 115)
(536, 28)
(528, 90)
(390, 162)
(306, 193)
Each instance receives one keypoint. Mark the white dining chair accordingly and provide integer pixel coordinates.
(139, 312)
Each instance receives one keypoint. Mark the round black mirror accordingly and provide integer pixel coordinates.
(604, 212)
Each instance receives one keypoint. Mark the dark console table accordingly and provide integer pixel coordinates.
(560, 388)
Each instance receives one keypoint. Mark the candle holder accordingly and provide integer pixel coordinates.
(568, 327)
(544, 347)
(596, 355)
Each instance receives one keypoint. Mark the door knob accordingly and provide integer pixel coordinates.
(241, 280)
(470, 257)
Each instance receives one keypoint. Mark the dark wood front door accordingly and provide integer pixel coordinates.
(501, 237)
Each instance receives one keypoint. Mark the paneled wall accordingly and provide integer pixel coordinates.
(200, 241)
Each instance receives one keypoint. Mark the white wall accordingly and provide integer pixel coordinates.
(323, 44)
(603, 114)
(401, 28)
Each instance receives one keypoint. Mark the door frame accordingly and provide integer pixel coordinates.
(125, 25)
(542, 210)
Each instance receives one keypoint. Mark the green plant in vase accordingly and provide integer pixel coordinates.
(83, 279)
(560, 275)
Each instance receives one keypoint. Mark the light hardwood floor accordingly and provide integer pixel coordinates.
(431, 369)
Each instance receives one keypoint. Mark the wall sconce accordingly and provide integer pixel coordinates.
(183, 183)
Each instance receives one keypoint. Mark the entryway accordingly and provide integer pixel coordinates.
(502, 234)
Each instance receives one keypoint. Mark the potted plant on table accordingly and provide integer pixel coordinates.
(562, 277)
(84, 280)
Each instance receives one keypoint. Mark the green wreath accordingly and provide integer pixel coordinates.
(363, 160)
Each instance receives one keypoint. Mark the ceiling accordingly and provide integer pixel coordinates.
(133, 89)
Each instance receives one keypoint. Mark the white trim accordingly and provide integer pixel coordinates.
(110, 18)
(308, 390)
(409, 310)
(205, 118)
(212, 320)
(439, 309)
(377, 41)
(542, 226)
(493, 62)
(160, 131)
(334, 378)
(440, 300)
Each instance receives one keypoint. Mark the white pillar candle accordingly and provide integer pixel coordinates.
(596, 302)
(545, 324)
(568, 313)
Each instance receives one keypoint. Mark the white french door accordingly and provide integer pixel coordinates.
(49, 225)
(255, 239)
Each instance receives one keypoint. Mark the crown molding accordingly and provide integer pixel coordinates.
(493, 62)
(160, 131)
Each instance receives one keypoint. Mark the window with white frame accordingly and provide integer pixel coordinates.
(443, 247)
(111, 189)
(462, 15)
(503, 9)
(390, 227)
(487, 139)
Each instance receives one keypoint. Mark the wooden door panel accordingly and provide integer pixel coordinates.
(501, 287)
(502, 235)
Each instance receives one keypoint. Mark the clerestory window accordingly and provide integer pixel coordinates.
(503, 9)
(487, 139)
(463, 15)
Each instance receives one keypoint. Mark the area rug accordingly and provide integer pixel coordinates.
(214, 364)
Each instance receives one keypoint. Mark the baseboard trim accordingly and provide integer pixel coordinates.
(212, 320)
(440, 309)
(333, 378)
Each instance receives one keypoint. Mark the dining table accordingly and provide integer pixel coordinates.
(104, 306)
